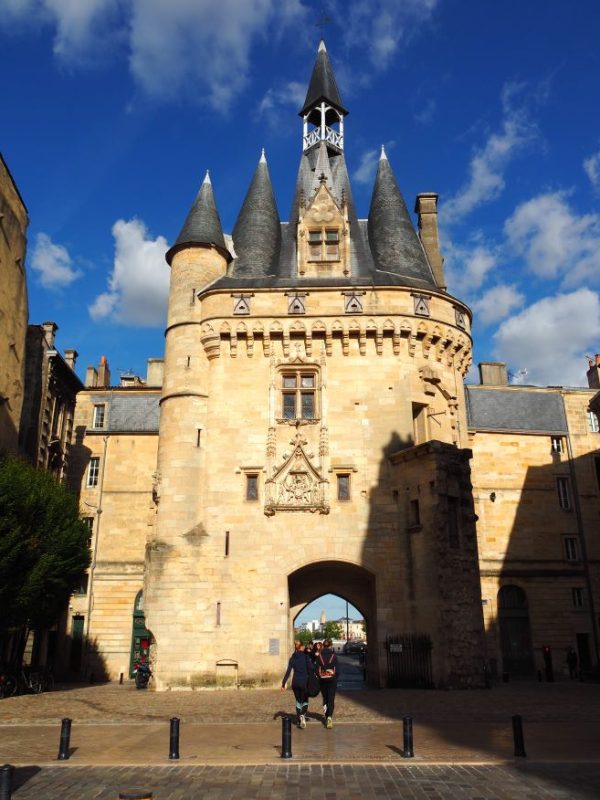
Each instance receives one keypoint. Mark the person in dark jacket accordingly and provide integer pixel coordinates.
(328, 670)
(300, 664)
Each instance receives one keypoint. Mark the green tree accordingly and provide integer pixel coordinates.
(303, 635)
(43, 547)
(332, 630)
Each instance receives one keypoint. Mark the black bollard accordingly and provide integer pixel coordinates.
(65, 737)
(517, 723)
(120, 679)
(408, 737)
(135, 795)
(6, 773)
(174, 739)
(286, 737)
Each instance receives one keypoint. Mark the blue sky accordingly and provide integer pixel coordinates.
(112, 110)
(333, 606)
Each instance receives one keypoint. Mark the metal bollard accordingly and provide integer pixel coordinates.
(174, 739)
(120, 679)
(65, 738)
(408, 737)
(6, 773)
(286, 737)
(517, 723)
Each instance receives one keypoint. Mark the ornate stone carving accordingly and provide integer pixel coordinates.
(297, 485)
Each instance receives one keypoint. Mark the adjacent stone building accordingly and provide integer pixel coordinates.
(311, 433)
(13, 308)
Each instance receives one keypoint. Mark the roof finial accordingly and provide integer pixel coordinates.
(263, 158)
(206, 177)
(383, 155)
(322, 48)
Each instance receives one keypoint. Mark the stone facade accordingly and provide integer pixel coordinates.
(315, 436)
(13, 308)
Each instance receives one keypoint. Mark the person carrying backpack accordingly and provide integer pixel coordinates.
(302, 666)
(327, 670)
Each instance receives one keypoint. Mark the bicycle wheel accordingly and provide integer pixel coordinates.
(8, 684)
(36, 683)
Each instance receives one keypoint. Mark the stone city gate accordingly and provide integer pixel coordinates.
(351, 582)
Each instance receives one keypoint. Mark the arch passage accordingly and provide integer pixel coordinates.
(349, 581)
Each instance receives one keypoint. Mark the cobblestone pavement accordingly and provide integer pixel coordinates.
(540, 702)
(312, 782)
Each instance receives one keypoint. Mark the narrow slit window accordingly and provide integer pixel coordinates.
(343, 487)
(414, 514)
(251, 487)
(571, 548)
(564, 493)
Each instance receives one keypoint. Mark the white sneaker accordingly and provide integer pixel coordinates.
(302, 721)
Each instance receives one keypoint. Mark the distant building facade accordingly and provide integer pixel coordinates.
(310, 433)
(14, 310)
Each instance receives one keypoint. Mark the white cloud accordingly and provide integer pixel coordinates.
(83, 29)
(591, 166)
(488, 164)
(379, 27)
(53, 263)
(290, 94)
(201, 48)
(497, 303)
(198, 49)
(554, 241)
(139, 284)
(425, 115)
(551, 337)
(467, 266)
(365, 172)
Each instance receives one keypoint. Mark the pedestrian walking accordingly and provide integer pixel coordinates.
(301, 666)
(327, 670)
(572, 663)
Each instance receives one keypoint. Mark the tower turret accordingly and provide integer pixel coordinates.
(392, 237)
(323, 106)
(257, 232)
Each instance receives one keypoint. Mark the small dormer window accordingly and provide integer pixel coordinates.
(324, 244)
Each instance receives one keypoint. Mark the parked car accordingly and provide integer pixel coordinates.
(357, 646)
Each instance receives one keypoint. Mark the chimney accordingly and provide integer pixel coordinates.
(49, 329)
(493, 373)
(154, 372)
(103, 373)
(593, 373)
(91, 377)
(426, 210)
(71, 358)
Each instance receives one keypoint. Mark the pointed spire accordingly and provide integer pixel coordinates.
(383, 154)
(392, 237)
(263, 158)
(257, 232)
(322, 84)
(323, 169)
(202, 225)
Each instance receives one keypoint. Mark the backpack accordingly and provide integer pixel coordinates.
(328, 672)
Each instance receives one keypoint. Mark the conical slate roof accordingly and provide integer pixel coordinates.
(394, 243)
(202, 225)
(257, 232)
(322, 84)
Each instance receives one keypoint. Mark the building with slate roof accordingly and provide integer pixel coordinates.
(311, 433)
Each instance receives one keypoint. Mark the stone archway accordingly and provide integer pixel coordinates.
(349, 581)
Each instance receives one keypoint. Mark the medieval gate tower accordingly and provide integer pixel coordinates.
(312, 427)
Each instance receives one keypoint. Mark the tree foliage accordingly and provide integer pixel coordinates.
(305, 636)
(332, 630)
(43, 546)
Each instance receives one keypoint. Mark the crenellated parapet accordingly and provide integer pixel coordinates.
(436, 338)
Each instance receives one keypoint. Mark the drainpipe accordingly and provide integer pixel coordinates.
(92, 571)
(581, 532)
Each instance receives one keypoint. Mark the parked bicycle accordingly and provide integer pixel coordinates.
(33, 680)
(8, 682)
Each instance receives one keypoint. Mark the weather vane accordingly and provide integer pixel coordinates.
(322, 22)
